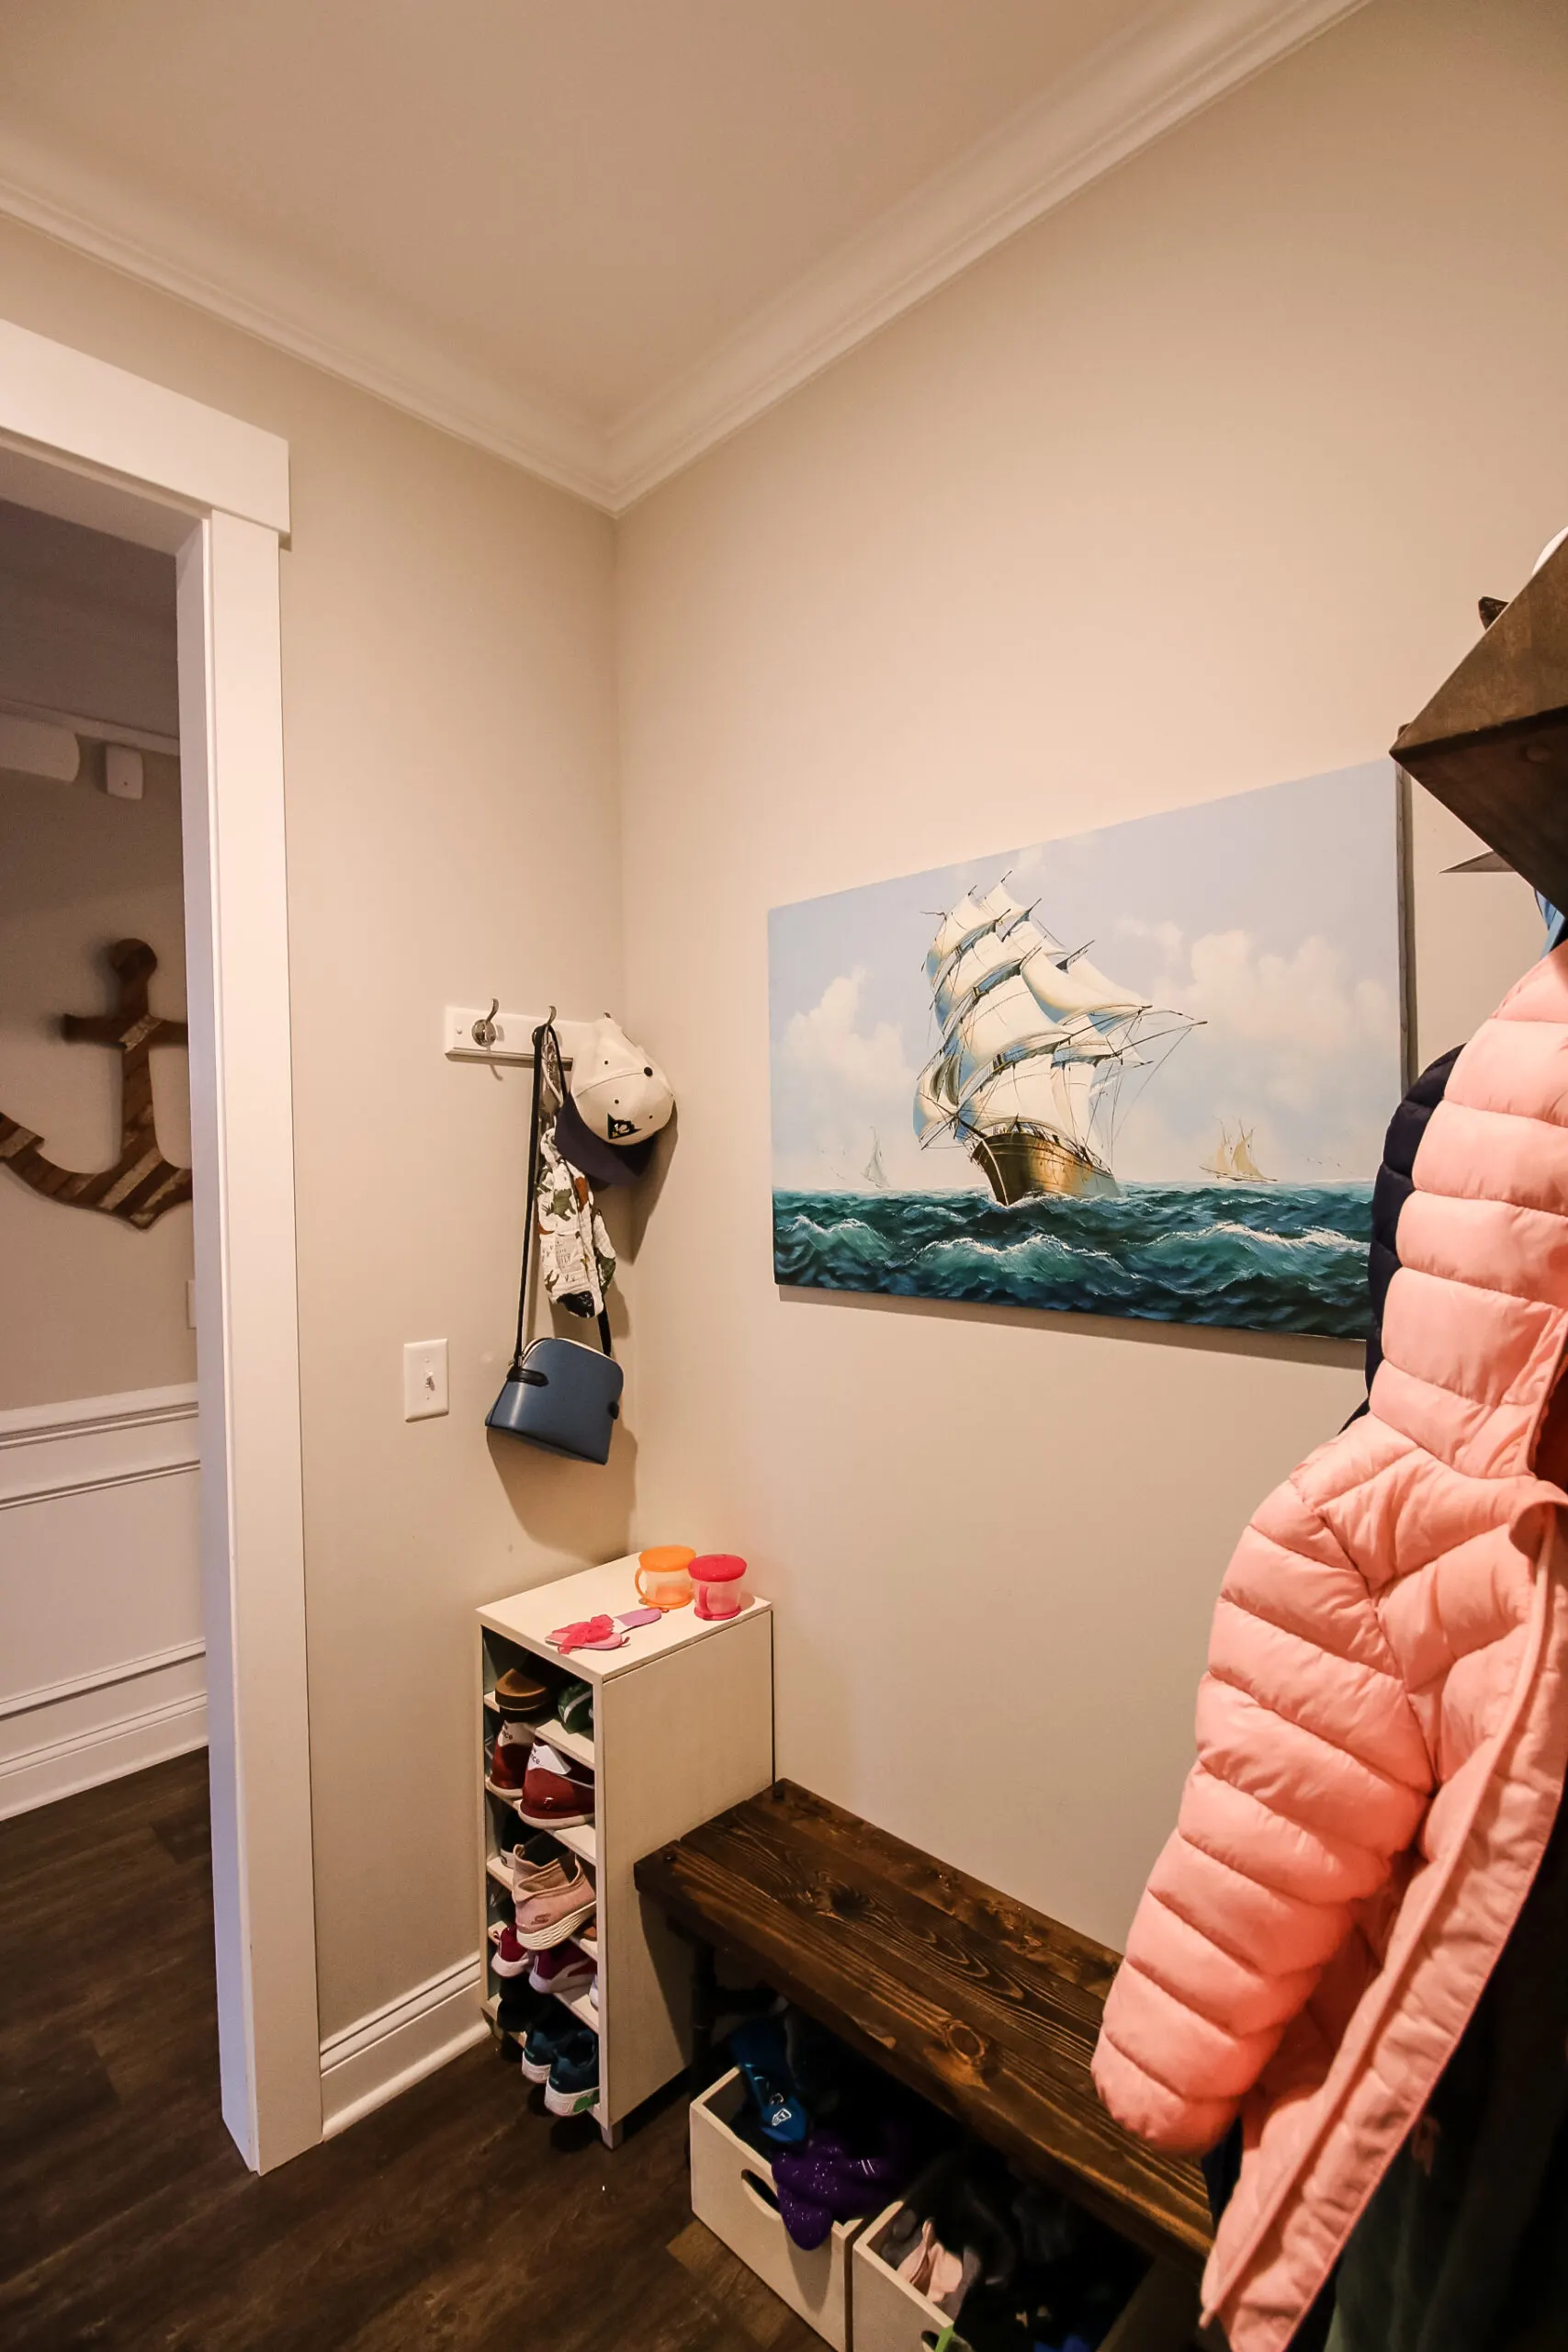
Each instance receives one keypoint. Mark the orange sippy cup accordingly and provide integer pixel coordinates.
(662, 1579)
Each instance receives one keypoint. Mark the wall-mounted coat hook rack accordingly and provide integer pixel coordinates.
(471, 1034)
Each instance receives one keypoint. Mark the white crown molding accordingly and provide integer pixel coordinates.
(1165, 68)
(410, 368)
(1173, 61)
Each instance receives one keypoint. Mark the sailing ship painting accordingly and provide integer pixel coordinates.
(1144, 1071)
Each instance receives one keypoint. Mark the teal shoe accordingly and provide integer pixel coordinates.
(542, 2042)
(574, 2077)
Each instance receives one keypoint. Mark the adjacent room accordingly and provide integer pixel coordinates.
(784, 1198)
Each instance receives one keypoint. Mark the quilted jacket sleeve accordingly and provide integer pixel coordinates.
(1311, 1775)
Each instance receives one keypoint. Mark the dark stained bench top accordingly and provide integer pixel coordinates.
(989, 2009)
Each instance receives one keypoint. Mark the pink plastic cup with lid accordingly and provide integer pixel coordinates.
(717, 1579)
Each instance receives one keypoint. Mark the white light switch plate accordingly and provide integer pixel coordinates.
(425, 1379)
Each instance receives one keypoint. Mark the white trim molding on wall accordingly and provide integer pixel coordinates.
(101, 1653)
(369, 2063)
(152, 466)
(1175, 58)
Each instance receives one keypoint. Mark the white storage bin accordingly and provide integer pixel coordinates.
(886, 2315)
(731, 2192)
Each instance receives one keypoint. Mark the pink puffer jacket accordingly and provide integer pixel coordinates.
(1384, 1727)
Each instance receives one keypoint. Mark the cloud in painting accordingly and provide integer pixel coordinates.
(842, 1078)
(1293, 1044)
(825, 1043)
(1303, 1004)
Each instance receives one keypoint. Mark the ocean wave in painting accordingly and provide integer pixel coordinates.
(1261, 1258)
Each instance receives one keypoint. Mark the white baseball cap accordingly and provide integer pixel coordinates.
(621, 1093)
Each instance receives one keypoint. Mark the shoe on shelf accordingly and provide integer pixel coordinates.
(508, 1765)
(518, 2010)
(574, 1708)
(521, 1696)
(545, 2039)
(563, 1971)
(588, 1937)
(573, 2082)
(551, 1899)
(556, 1793)
(507, 1956)
(758, 2049)
(593, 1990)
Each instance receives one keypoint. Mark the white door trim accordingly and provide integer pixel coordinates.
(106, 426)
(88, 414)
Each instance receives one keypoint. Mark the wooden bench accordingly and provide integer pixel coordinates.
(986, 2007)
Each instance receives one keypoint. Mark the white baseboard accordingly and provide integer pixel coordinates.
(370, 2063)
(86, 1759)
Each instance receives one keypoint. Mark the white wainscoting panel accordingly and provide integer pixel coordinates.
(101, 1660)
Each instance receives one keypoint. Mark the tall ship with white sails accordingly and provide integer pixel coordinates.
(1034, 1044)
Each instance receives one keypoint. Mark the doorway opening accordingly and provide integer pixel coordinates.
(178, 513)
(101, 1664)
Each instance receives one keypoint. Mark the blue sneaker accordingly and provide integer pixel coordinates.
(574, 2074)
(758, 2049)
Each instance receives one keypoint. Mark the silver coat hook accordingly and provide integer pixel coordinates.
(484, 1032)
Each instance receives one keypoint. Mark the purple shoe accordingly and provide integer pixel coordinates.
(807, 2222)
(826, 2174)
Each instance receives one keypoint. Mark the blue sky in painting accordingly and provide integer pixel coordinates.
(1271, 916)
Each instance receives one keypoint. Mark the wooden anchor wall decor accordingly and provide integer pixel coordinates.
(142, 1184)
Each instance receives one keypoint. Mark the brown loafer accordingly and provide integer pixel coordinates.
(521, 1696)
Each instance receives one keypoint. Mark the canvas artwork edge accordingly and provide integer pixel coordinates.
(1058, 1231)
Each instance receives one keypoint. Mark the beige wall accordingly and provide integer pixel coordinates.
(88, 1305)
(1191, 488)
(452, 833)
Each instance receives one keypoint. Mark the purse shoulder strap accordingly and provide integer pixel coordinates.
(545, 1039)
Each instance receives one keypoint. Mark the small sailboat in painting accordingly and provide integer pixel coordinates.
(873, 1172)
(1232, 1163)
(1218, 1163)
(1034, 1044)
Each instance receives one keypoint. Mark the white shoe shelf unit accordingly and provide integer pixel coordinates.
(683, 1728)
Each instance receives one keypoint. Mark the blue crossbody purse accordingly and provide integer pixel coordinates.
(559, 1394)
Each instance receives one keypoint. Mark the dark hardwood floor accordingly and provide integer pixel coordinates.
(460, 2219)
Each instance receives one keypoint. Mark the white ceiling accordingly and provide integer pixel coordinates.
(592, 234)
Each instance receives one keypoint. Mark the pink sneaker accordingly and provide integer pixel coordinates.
(552, 1894)
(563, 1971)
